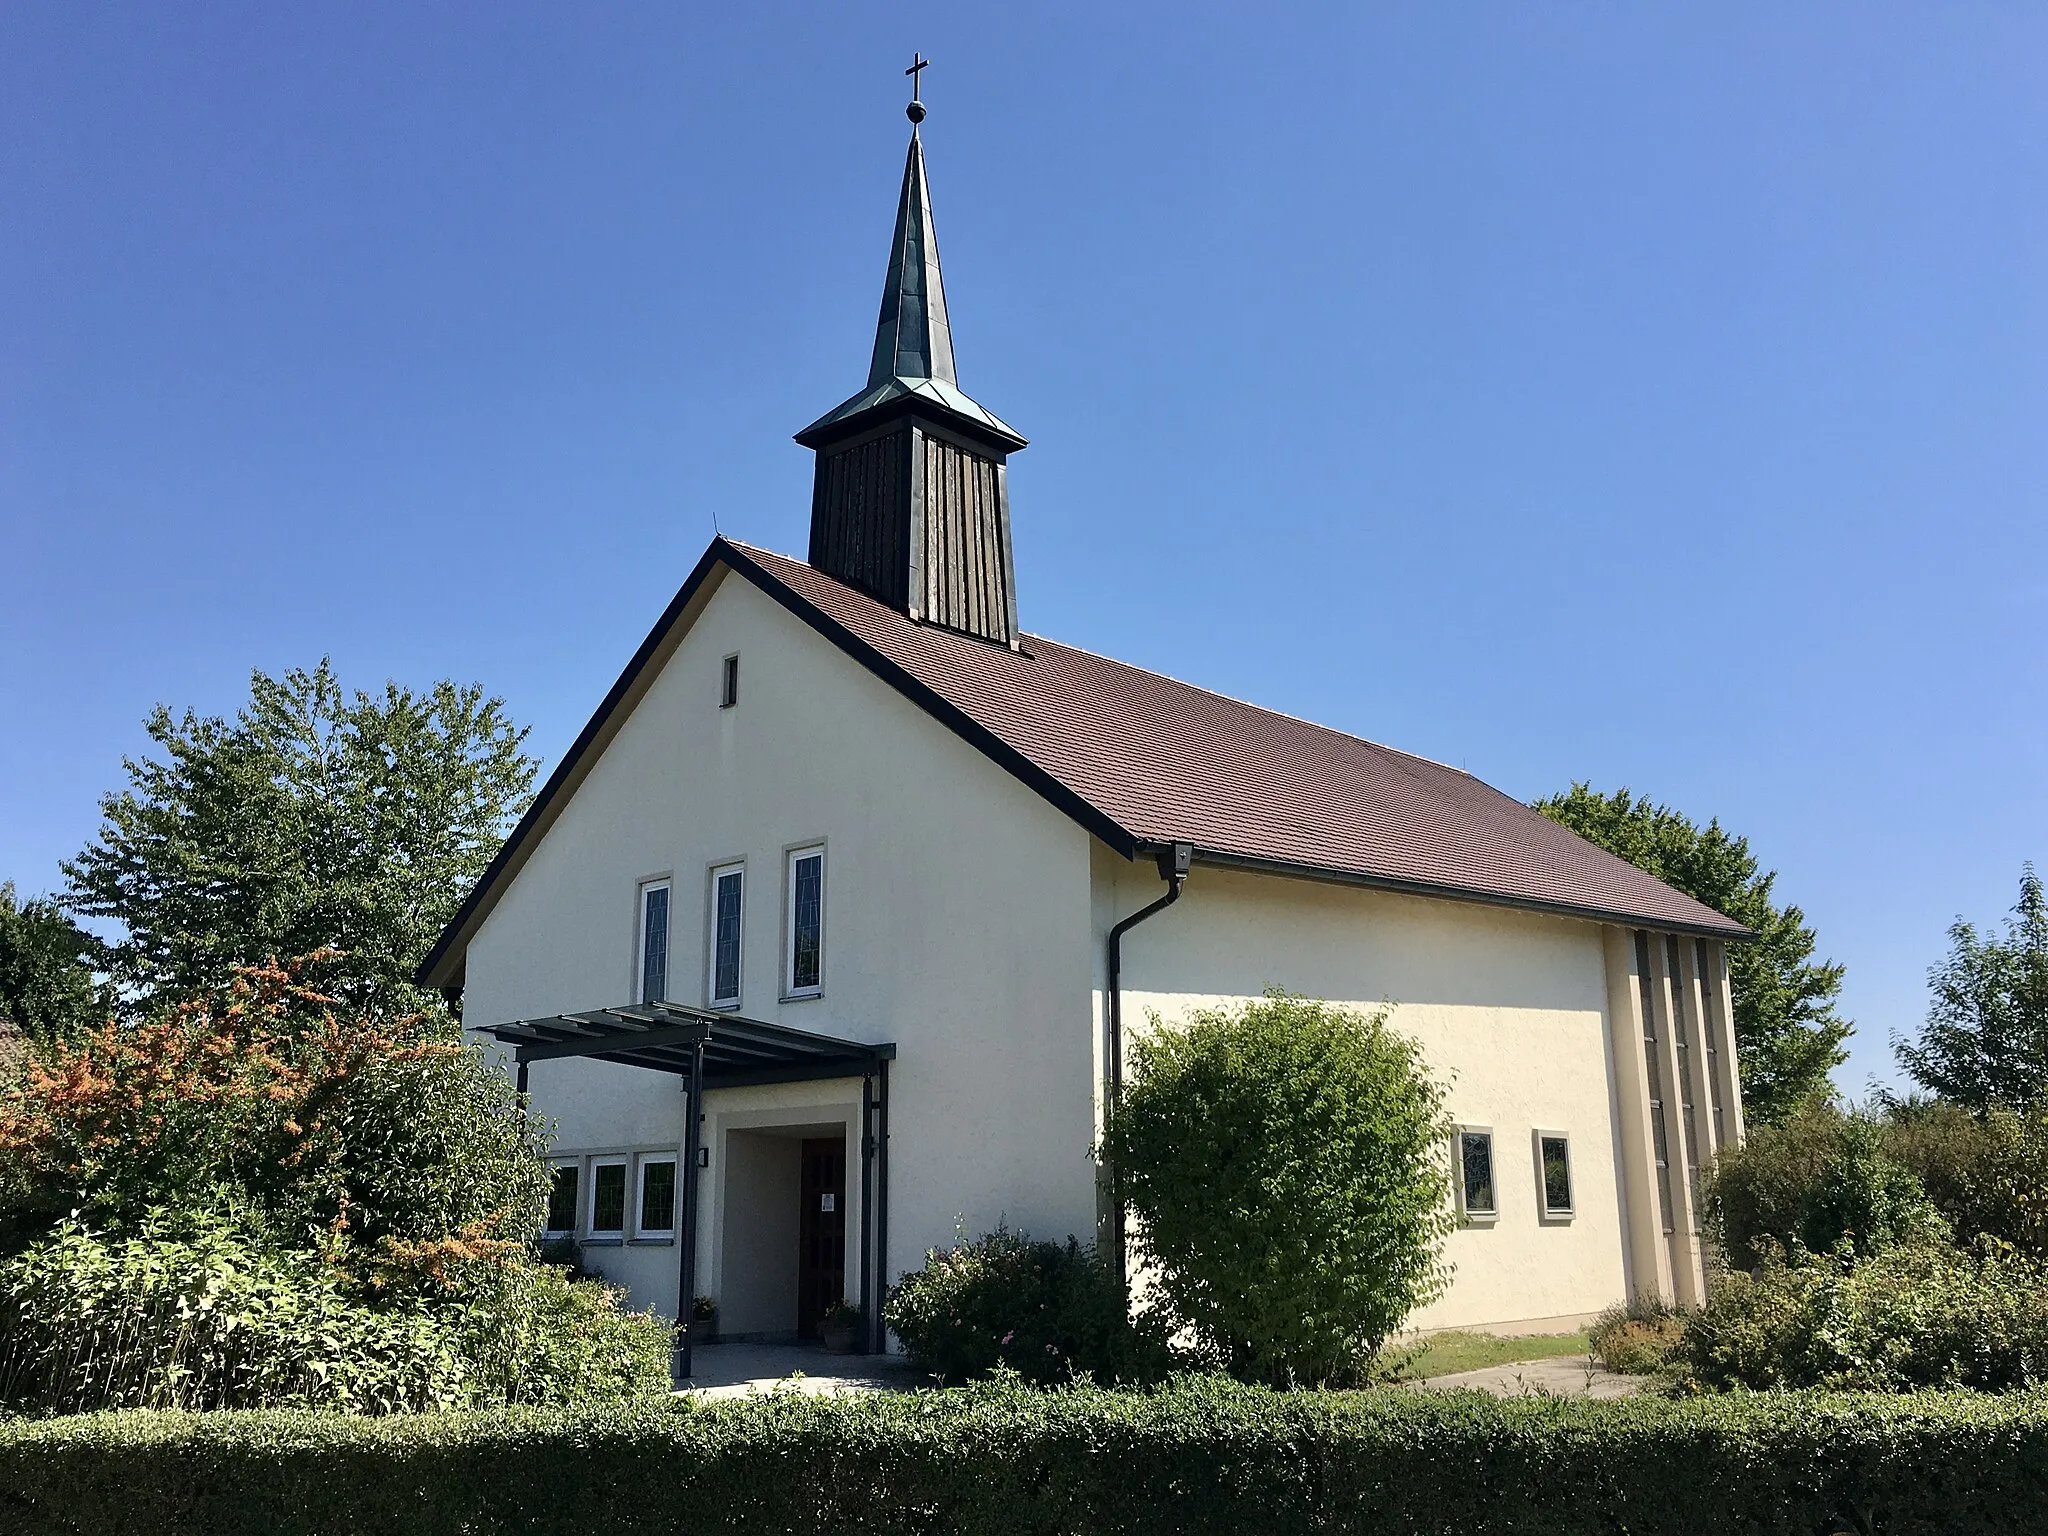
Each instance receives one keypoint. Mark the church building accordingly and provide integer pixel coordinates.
(825, 940)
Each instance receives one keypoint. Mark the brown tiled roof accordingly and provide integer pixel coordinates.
(1167, 762)
(1140, 759)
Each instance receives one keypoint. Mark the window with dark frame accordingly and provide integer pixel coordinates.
(806, 922)
(608, 1198)
(654, 942)
(727, 909)
(1475, 1173)
(657, 1197)
(562, 1198)
(729, 683)
(1554, 1152)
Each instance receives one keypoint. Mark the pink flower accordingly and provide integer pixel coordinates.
(1009, 1336)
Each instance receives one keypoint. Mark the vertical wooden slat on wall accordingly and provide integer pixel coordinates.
(917, 520)
(966, 585)
(858, 520)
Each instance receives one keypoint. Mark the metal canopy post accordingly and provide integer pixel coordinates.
(869, 1300)
(686, 1229)
(881, 1256)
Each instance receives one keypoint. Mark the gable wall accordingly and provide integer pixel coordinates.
(955, 924)
(1509, 1006)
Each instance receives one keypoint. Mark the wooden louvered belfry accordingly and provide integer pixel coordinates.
(911, 498)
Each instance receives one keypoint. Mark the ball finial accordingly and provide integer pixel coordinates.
(915, 111)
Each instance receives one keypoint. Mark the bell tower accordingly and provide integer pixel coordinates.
(910, 501)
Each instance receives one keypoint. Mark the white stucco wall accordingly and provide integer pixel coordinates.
(1510, 1009)
(956, 925)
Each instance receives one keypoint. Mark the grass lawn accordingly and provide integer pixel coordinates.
(1442, 1354)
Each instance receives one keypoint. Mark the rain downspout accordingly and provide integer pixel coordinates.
(1174, 863)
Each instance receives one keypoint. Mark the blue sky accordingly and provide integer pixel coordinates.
(1577, 391)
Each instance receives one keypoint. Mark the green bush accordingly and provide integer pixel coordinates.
(188, 1313)
(1987, 1174)
(1046, 1311)
(1285, 1160)
(1637, 1337)
(1816, 1178)
(1202, 1458)
(1908, 1317)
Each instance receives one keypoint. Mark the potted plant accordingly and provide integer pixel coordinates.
(704, 1320)
(841, 1327)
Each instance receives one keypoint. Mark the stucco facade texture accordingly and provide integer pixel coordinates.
(956, 926)
(1509, 1007)
(965, 921)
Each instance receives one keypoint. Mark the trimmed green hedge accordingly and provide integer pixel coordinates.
(1199, 1456)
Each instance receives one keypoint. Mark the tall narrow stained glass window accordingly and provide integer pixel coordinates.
(653, 943)
(727, 909)
(806, 922)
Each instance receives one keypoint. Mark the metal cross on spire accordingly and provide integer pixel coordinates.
(918, 65)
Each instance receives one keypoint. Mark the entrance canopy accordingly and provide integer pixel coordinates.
(737, 1052)
(722, 1050)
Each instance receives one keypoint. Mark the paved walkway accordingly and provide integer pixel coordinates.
(735, 1370)
(1560, 1376)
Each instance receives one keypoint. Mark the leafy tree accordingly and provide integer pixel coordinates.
(48, 989)
(313, 820)
(1818, 1178)
(1986, 1037)
(1787, 1034)
(1285, 1159)
(1986, 1171)
(310, 1124)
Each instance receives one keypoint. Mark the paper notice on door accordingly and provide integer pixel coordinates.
(828, 1202)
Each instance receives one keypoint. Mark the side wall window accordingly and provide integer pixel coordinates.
(728, 909)
(1554, 1174)
(562, 1198)
(607, 1197)
(804, 965)
(656, 1215)
(654, 941)
(1474, 1173)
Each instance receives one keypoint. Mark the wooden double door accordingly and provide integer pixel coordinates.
(821, 1232)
